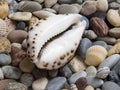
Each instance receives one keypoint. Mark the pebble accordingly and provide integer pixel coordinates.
(49, 3)
(73, 87)
(102, 5)
(95, 82)
(91, 71)
(103, 72)
(20, 16)
(108, 40)
(5, 45)
(39, 1)
(110, 86)
(11, 72)
(87, 21)
(118, 1)
(88, 8)
(16, 45)
(56, 83)
(1, 74)
(50, 10)
(53, 73)
(113, 21)
(85, 43)
(26, 79)
(24, 44)
(66, 1)
(81, 83)
(90, 34)
(89, 87)
(77, 65)
(56, 7)
(29, 6)
(17, 36)
(40, 83)
(66, 9)
(26, 66)
(110, 61)
(109, 47)
(79, 1)
(16, 86)
(5, 59)
(114, 5)
(65, 71)
(66, 86)
(115, 32)
(76, 76)
(77, 5)
(5, 82)
(21, 26)
(101, 43)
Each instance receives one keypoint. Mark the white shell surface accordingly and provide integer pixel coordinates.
(3, 28)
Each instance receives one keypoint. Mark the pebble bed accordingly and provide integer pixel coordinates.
(102, 36)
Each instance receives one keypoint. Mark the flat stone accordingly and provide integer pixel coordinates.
(90, 34)
(114, 5)
(110, 86)
(115, 32)
(1, 74)
(91, 71)
(39, 1)
(50, 3)
(102, 5)
(5, 59)
(66, 1)
(56, 83)
(101, 43)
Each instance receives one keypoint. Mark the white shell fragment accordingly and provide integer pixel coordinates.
(60, 50)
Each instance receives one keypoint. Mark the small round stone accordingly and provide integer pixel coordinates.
(115, 32)
(89, 88)
(1, 74)
(16, 86)
(91, 71)
(20, 26)
(26, 66)
(5, 59)
(11, 72)
(52, 73)
(40, 83)
(26, 79)
(49, 3)
(90, 34)
(102, 5)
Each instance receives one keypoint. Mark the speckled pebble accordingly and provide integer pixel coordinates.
(5, 59)
(90, 34)
(91, 71)
(11, 72)
(1, 74)
(26, 79)
(101, 43)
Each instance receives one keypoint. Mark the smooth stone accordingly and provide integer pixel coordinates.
(1, 74)
(20, 26)
(66, 1)
(26, 66)
(40, 83)
(76, 76)
(89, 87)
(66, 9)
(16, 86)
(13, 6)
(108, 40)
(91, 71)
(11, 72)
(115, 32)
(20, 16)
(88, 8)
(110, 86)
(29, 6)
(95, 82)
(50, 10)
(113, 21)
(103, 72)
(77, 5)
(56, 83)
(49, 3)
(5, 59)
(81, 83)
(114, 5)
(113, 76)
(118, 1)
(24, 44)
(65, 71)
(26, 79)
(110, 61)
(8, 1)
(17, 45)
(77, 65)
(109, 47)
(87, 21)
(90, 34)
(73, 87)
(66, 86)
(101, 43)
(39, 1)
(53, 73)
(102, 5)
(5, 82)
(5, 45)
(85, 43)
(79, 1)
(56, 7)
(17, 36)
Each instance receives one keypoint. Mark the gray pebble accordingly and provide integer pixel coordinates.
(109, 47)
(66, 9)
(66, 1)
(39, 1)
(110, 86)
(90, 34)
(5, 59)
(65, 71)
(118, 1)
(21, 26)
(13, 7)
(1, 74)
(114, 5)
(85, 43)
(110, 61)
(26, 79)
(56, 83)
(53, 73)
(103, 72)
(76, 76)
(11, 72)
(49, 3)
(91, 71)
(95, 82)
(79, 1)
(101, 43)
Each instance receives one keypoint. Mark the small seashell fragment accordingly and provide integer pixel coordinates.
(95, 55)
(3, 28)
(4, 9)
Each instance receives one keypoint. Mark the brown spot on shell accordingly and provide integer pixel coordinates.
(75, 44)
(33, 42)
(34, 38)
(54, 62)
(36, 34)
(59, 63)
(72, 51)
(31, 28)
(67, 53)
(37, 24)
(45, 65)
(28, 44)
(33, 47)
(53, 66)
(62, 57)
